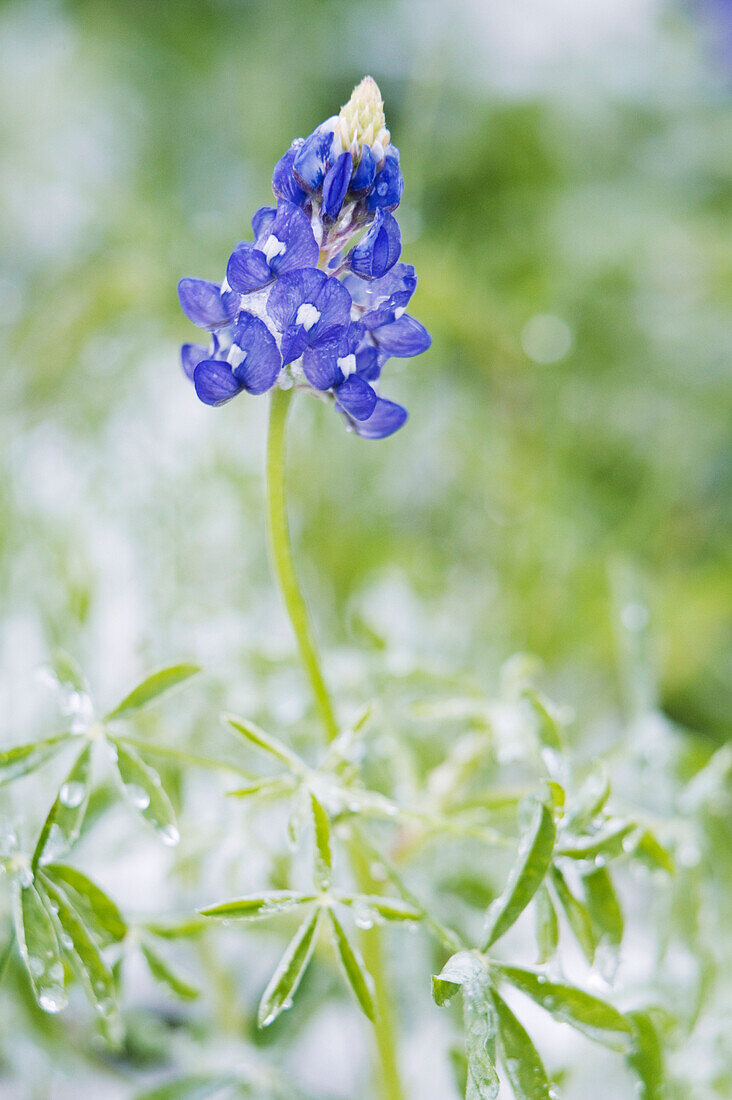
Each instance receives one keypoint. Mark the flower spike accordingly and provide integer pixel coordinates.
(317, 300)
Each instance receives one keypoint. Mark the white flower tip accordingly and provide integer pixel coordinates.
(361, 121)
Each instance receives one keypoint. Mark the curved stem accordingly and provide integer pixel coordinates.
(282, 559)
(389, 1084)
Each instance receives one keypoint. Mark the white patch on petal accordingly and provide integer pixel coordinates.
(399, 312)
(273, 247)
(307, 316)
(225, 288)
(236, 356)
(347, 365)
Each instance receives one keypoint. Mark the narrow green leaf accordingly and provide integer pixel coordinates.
(323, 854)
(577, 915)
(385, 908)
(256, 906)
(39, 949)
(595, 1018)
(652, 852)
(76, 939)
(194, 1087)
(590, 800)
(266, 788)
(646, 1057)
(354, 968)
(96, 908)
(480, 1022)
(67, 672)
(604, 907)
(163, 973)
(547, 925)
(151, 688)
(175, 929)
(550, 731)
(144, 790)
(607, 843)
(264, 741)
(520, 1058)
(461, 969)
(62, 826)
(288, 975)
(527, 874)
(22, 759)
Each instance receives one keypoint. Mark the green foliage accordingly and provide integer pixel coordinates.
(576, 508)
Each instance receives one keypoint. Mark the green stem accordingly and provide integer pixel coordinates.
(282, 559)
(372, 947)
(389, 1083)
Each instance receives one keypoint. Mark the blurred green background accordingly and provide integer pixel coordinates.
(567, 209)
(562, 485)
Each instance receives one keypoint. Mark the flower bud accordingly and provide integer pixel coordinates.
(361, 121)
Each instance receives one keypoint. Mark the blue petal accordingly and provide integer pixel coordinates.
(386, 419)
(293, 233)
(334, 303)
(247, 269)
(262, 220)
(403, 338)
(388, 185)
(290, 292)
(309, 286)
(369, 362)
(320, 365)
(205, 305)
(190, 356)
(215, 384)
(383, 297)
(356, 397)
(293, 344)
(284, 184)
(363, 177)
(335, 186)
(311, 160)
(262, 362)
(379, 249)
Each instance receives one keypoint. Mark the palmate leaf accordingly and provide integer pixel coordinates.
(258, 906)
(22, 759)
(90, 965)
(288, 975)
(97, 910)
(164, 974)
(323, 854)
(39, 948)
(577, 915)
(354, 967)
(519, 1057)
(143, 788)
(595, 1018)
(62, 827)
(151, 688)
(526, 876)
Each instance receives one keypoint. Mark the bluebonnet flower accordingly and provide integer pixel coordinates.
(314, 301)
